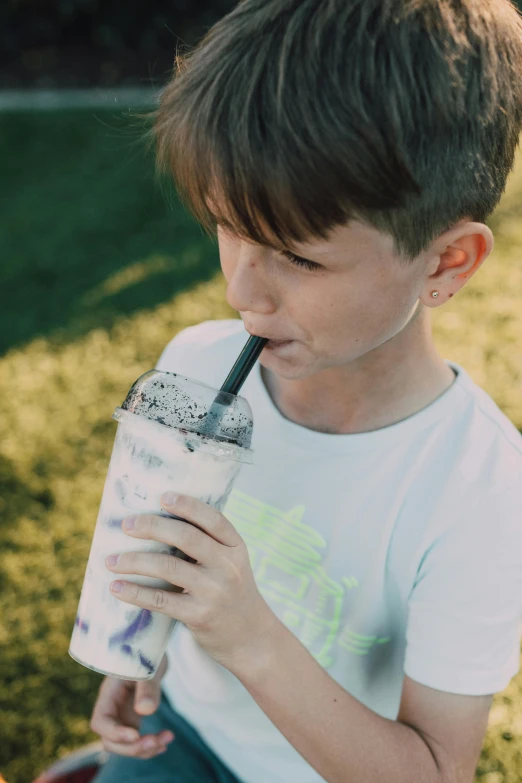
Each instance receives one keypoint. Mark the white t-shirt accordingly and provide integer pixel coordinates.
(391, 552)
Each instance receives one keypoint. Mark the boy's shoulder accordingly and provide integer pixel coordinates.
(493, 438)
(205, 351)
(480, 465)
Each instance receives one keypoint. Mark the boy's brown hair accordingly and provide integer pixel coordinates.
(291, 117)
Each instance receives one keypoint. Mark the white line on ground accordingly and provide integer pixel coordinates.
(96, 97)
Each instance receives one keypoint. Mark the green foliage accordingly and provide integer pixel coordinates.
(99, 276)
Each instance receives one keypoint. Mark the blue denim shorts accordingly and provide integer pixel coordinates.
(187, 760)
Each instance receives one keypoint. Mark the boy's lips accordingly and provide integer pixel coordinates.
(278, 342)
(274, 344)
(273, 340)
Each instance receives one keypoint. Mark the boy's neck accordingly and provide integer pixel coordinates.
(387, 385)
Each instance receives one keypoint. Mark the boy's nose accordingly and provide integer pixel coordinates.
(249, 287)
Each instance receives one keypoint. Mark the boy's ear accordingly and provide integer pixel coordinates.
(458, 254)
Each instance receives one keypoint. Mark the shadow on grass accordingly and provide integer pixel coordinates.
(81, 207)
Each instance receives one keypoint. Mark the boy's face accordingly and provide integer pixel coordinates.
(359, 298)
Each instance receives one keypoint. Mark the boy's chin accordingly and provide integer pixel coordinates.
(286, 369)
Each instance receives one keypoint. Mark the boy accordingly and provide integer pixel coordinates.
(357, 605)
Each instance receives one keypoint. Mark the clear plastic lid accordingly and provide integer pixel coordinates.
(189, 405)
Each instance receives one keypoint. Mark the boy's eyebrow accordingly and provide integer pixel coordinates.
(325, 251)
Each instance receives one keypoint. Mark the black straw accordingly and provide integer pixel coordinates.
(233, 382)
(244, 363)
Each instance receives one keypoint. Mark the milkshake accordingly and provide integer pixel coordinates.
(174, 434)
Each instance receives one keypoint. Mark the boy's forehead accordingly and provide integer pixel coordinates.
(353, 235)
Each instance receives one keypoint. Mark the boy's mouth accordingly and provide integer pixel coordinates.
(273, 342)
(278, 345)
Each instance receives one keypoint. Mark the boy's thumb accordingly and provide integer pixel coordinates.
(147, 697)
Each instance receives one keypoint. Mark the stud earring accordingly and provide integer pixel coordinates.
(434, 293)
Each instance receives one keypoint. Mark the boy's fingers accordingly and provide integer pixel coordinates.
(135, 749)
(122, 749)
(109, 727)
(147, 697)
(126, 734)
(161, 738)
(106, 706)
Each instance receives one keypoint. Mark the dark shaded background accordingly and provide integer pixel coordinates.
(91, 43)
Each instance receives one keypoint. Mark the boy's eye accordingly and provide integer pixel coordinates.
(298, 261)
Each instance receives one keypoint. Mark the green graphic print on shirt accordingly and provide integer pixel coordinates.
(287, 566)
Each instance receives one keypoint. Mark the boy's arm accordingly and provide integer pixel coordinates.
(437, 737)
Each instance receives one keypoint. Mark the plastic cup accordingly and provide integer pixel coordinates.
(161, 444)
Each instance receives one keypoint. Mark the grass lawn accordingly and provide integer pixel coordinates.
(99, 272)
